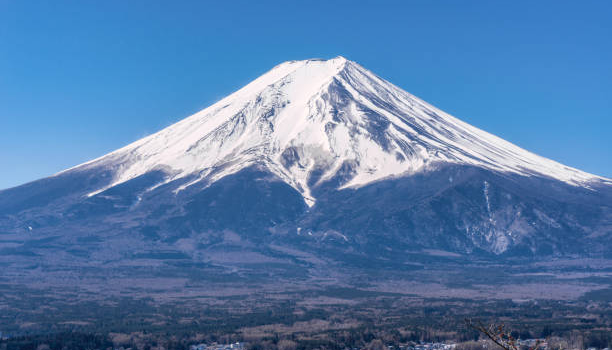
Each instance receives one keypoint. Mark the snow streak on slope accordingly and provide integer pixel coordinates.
(316, 120)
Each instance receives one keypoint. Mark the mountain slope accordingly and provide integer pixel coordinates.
(307, 119)
(322, 158)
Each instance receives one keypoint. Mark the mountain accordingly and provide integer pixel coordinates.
(317, 117)
(314, 163)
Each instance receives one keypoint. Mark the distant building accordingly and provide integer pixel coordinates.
(234, 346)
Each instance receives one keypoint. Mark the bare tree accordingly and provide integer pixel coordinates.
(498, 334)
(376, 344)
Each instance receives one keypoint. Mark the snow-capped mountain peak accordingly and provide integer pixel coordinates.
(313, 120)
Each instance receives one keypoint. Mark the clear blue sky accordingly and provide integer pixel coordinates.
(79, 79)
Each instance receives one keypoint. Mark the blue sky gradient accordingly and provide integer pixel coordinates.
(79, 79)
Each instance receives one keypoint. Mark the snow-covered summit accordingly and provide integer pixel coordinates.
(308, 121)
